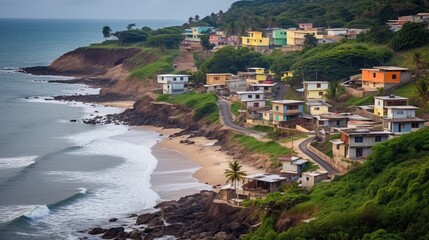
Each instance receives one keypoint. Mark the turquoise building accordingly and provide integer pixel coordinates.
(279, 37)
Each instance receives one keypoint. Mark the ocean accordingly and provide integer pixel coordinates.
(59, 177)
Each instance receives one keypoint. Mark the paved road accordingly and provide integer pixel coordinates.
(320, 161)
(227, 121)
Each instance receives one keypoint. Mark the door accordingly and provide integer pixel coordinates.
(255, 104)
(359, 152)
(400, 127)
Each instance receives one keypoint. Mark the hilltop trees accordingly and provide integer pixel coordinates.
(107, 32)
(412, 35)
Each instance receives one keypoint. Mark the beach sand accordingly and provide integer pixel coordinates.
(119, 104)
(212, 162)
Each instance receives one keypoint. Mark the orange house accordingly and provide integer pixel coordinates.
(384, 77)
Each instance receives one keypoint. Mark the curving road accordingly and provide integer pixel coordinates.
(227, 121)
(320, 161)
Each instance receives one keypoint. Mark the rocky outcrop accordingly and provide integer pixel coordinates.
(196, 216)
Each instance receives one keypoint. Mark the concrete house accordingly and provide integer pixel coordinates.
(384, 77)
(236, 85)
(315, 90)
(174, 83)
(309, 179)
(285, 110)
(356, 144)
(328, 121)
(317, 108)
(216, 81)
(382, 102)
(293, 166)
(219, 38)
(279, 37)
(268, 88)
(194, 34)
(252, 98)
(402, 119)
(305, 26)
(296, 37)
(286, 75)
(255, 39)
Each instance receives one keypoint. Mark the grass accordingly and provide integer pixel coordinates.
(408, 90)
(326, 147)
(235, 106)
(356, 101)
(271, 148)
(203, 104)
(403, 59)
(162, 64)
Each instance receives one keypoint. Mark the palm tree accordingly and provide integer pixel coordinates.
(422, 90)
(190, 20)
(107, 32)
(417, 60)
(197, 18)
(334, 92)
(234, 174)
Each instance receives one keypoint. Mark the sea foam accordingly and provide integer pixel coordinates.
(17, 162)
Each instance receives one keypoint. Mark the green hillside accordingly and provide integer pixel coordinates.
(386, 198)
(259, 14)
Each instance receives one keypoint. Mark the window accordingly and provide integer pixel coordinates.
(307, 178)
(338, 146)
(415, 125)
(277, 108)
(319, 85)
(394, 76)
(216, 78)
(374, 75)
(377, 138)
(400, 112)
(316, 109)
(181, 78)
(249, 96)
(260, 40)
(358, 139)
(320, 93)
(338, 122)
(174, 79)
(248, 41)
(258, 96)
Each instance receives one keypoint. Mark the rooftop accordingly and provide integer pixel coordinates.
(173, 75)
(315, 82)
(263, 84)
(215, 74)
(363, 131)
(287, 101)
(266, 177)
(404, 120)
(386, 68)
(250, 92)
(391, 97)
(403, 107)
(315, 174)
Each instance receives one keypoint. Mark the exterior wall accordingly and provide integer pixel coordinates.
(281, 113)
(267, 116)
(174, 88)
(368, 141)
(381, 77)
(315, 110)
(365, 153)
(286, 75)
(312, 91)
(218, 79)
(379, 105)
(296, 37)
(261, 77)
(251, 96)
(255, 39)
(173, 78)
(315, 94)
(236, 85)
(289, 167)
(341, 123)
(256, 103)
(279, 37)
(397, 113)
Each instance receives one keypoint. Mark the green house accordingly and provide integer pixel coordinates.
(279, 37)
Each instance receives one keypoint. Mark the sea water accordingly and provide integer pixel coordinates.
(58, 176)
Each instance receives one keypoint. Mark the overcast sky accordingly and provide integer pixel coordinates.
(111, 9)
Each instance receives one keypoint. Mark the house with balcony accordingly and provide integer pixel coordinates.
(255, 39)
(384, 77)
(215, 81)
(286, 110)
(382, 102)
(194, 34)
(279, 37)
(296, 37)
(173, 83)
(356, 144)
(292, 166)
(315, 91)
(252, 98)
(267, 87)
(397, 24)
(255, 75)
(219, 38)
(402, 119)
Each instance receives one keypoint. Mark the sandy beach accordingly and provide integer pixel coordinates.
(119, 104)
(212, 161)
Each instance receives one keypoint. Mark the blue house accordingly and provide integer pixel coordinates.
(286, 110)
(402, 119)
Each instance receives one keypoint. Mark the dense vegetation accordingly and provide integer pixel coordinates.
(204, 105)
(260, 14)
(386, 198)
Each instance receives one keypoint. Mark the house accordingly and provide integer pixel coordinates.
(382, 102)
(194, 34)
(286, 75)
(309, 179)
(218, 38)
(329, 121)
(174, 83)
(316, 108)
(279, 37)
(252, 98)
(384, 77)
(402, 119)
(296, 37)
(255, 75)
(218, 78)
(336, 31)
(305, 26)
(356, 144)
(315, 90)
(292, 166)
(261, 184)
(236, 85)
(255, 39)
(397, 24)
(266, 87)
(285, 110)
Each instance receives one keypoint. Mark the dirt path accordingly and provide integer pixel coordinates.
(185, 62)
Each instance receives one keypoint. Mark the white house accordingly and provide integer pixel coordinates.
(402, 119)
(309, 179)
(174, 83)
(252, 98)
(293, 166)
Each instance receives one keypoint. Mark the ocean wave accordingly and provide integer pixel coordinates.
(17, 162)
(8, 70)
(38, 212)
(189, 170)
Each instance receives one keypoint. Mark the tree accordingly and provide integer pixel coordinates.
(417, 60)
(130, 26)
(190, 20)
(234, 174)
(412, 35)
(205, 43)
(197, 18)
(198, 78)
(334, 92)
(107, 32)
(422, 90)
(310, 40)
(130, 36)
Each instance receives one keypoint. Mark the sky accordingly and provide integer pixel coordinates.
(111, 9)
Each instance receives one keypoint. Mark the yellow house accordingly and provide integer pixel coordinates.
(286, 75)
(315, 90)
(381, 102)
(259, 74)
(297, 37)
(255, 39)
(317, 108)
(218, 78)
